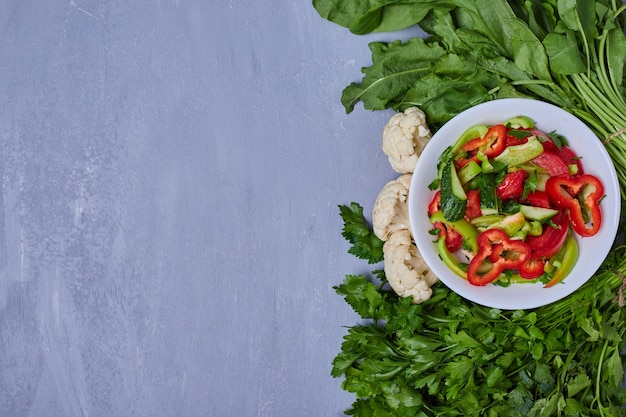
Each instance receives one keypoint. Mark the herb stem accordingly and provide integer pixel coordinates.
(600, 363)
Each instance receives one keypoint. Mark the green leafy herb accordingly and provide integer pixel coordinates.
(559, 140)
(451, 357)
(570, 53)
(519, 134)
(453, 198)
(365, 244)
(530, 184)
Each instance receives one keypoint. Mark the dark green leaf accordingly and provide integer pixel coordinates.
(396, 67)
(577, 384)
(365, 244)
(528, 52)
(565, 57)
(391, 15)
(362, 295)
(616, 57)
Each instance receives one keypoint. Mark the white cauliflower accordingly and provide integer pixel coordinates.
(391, 210)
(404, 137)
(405, 269)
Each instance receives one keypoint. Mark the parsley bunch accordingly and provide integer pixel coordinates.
(451, 357)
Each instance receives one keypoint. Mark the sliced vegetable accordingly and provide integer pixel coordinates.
(523, 122)
(568, 261)
(532, 268)
(491, 144)
(473, 205)
(452, 239)
(519, 154)
(477, 131)
(470, 170)
(465, 228)
(448, 258)
(539, 199)
(512, 186)
(496, 253)
(581, 197)
(552, 163)
(537, 213)
(453, 199)
(552, 239)
(510, 224)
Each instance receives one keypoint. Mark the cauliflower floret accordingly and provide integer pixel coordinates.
(391, 210)
(405, 269)
(404, 138)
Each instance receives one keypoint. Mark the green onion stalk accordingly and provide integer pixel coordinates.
(599, 91)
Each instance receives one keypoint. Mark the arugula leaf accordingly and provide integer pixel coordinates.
(365, 244)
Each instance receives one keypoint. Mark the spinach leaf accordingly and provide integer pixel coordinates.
(396, 67)
(562, 49)
(367, 16)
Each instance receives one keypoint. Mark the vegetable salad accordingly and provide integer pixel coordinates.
(509, 200)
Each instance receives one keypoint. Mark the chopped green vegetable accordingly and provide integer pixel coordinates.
(540, 214)
(453, 198)
(520, 154)
(486, 186)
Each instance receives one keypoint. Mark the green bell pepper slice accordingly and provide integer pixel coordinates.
(448, 258)
(570, 256)
(520, 154)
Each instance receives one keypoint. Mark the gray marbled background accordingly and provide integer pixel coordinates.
(169, 232)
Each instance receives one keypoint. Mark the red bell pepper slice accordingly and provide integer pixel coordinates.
(552, 239)
(491, 144)
(512, 186)
(433, 206)
(497, 251)
(565, 192)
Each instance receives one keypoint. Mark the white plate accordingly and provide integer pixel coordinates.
(595, 159)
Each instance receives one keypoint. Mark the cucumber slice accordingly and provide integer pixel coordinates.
(469, 171)
(537, 213)
(453, 198)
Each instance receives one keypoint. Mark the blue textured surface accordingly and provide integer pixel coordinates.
(169, 232)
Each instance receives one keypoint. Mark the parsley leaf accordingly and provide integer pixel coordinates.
(559, 140)
(365, 244)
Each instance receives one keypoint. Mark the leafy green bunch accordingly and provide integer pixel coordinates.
(567, 52)
(451, 357)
